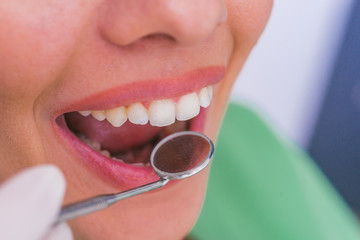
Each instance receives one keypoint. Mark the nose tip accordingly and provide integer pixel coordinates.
(196, 25)
(191, 22)
(187, 22)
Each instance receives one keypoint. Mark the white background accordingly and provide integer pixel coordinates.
(285, 76)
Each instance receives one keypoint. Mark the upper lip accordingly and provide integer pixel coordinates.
(148, 90)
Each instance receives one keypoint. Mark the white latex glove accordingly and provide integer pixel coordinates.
(29, 204)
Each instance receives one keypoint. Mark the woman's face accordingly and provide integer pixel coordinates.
(61, 57)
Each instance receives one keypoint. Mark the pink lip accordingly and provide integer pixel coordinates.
(118, 174)
(148, 90)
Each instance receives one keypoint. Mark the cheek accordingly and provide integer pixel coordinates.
(35, 41)
(248, 19)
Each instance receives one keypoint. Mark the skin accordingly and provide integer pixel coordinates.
(53, 53)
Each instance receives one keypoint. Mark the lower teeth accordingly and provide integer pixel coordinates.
(132, 156)
(127, 157)
(106, 153)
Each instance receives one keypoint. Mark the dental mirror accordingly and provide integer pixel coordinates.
(177, 156)
(181, 155)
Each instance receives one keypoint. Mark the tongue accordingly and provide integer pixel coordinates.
(113, 139)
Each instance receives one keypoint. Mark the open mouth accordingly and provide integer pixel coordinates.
(120, 140)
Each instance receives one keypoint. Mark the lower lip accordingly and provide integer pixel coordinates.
(118, 174)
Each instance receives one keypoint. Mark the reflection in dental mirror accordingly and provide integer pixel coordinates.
(179, 155)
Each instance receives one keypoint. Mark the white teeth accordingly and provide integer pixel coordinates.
(187, 107)
(98, 115)
(138, 164)
(116, 116)
(162, 113)
(105, 153)
(210, 91)
(204, 98)
(138, 114)
(85, 113)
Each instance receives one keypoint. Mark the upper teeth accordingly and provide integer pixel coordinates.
(160, 113)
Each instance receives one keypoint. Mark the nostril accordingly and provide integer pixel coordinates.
(158, 38)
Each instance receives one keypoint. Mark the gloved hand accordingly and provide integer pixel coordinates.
(29, 204)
